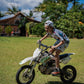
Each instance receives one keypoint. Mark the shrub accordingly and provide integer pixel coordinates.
(38, 29)
(8, 30)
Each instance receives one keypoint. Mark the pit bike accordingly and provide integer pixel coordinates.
(46, 65)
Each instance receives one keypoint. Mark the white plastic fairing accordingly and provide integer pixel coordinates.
(26, 60)
(36, 53)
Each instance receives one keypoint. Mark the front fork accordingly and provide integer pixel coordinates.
(32, 68)
(33, 64)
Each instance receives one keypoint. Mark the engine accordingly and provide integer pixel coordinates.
(47, 68)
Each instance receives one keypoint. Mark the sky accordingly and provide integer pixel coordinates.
(25, 6)
(70, 4)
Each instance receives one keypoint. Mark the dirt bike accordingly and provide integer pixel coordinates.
(26, 73)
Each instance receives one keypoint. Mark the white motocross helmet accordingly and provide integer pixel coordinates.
(49, 23)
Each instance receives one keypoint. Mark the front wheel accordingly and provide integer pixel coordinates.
(23, 75)
(68, 74)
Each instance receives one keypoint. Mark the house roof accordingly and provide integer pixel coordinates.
(6, 18)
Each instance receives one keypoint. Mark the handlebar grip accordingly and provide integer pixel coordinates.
(38, 42)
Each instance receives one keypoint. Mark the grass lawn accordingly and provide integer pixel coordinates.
(14, 49)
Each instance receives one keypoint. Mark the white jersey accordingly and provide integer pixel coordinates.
(58, 35)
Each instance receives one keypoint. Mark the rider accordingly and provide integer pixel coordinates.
(59, 46)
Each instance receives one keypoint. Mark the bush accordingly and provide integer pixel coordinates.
(8, 30)
(38, 29)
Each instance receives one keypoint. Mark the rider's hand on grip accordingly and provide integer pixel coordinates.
(38, 42)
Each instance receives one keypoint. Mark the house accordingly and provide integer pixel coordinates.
(13, 21)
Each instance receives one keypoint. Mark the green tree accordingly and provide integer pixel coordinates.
(54, 11)
(38, 29)
(27, 25)
(13, 10)
(65, 2)
(8, 30)
(69, 23)
(30, 14)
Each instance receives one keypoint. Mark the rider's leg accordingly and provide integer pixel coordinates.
(51, 51)
(57, 70)
(57, 52)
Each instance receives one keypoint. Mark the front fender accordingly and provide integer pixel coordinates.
(26, 60)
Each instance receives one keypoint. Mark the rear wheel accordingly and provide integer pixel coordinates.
(23, 76)
(68, 74)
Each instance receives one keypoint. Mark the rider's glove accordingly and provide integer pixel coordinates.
(38, 41)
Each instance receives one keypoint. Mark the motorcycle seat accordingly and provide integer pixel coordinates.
(63, 56)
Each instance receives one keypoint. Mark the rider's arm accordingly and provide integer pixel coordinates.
(45, 36)
(61, 41)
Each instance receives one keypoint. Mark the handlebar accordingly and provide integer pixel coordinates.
(46, 47)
